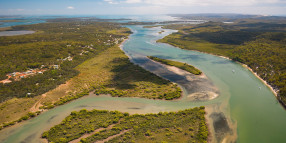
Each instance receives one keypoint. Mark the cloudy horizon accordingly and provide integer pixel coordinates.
(139, 7)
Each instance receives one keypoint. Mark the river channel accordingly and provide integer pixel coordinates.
(245, 110)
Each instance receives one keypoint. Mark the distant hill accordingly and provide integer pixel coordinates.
(226, 17)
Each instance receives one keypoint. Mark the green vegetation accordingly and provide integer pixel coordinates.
(23, 118)
(183, 66)
(79, 123)
(260, 44)
(107, 71)
(152, 26)
(182, 126)
(51, 45)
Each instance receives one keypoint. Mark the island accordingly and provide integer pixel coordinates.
(183, 66)
(113, 126)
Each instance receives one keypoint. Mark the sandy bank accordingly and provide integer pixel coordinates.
(198, 87)
(244, 65)
(269, 86)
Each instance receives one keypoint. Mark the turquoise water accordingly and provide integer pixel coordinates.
(14, 33)
(258, 115)
(254, 111)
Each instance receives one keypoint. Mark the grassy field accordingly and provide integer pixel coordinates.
(112, 126)
(180, 65)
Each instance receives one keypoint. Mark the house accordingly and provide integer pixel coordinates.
(22, 75)
(5, 81)
(56, 66)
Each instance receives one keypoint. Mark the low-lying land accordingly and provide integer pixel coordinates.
(260, 44)
(107, 71)
(58, 47)
(113, 126)
(183, 66)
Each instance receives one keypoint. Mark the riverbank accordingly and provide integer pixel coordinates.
(244, 65)
(183, 66)
(254, 52)
(195, 87)
(254, 73)
(100, 71)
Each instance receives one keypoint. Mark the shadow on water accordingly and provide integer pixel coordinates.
(134, 108)
(193, 57)
(220, 62)
(191, 83)
(220, 125)
(126, 73)
(51, 118)
(29, 138)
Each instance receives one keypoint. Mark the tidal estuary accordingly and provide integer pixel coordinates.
(245, 109)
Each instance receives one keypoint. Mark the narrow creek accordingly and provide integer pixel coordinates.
(245, 110)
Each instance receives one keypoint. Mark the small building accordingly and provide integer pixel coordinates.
(5, 81)
(56, 66)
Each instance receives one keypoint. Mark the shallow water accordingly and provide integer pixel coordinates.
(255, 112)
(14, 33)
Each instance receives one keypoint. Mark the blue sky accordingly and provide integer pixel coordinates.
(136, 7)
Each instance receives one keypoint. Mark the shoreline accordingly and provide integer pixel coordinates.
(244, 65)
(187, 75)
(176, 99)
(265, 82)
(45, 110)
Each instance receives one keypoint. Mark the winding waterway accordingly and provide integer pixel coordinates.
(241, 105)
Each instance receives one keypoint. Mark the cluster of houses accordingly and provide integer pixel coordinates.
(69, 58)
(19, 75)
(116, 41)
(16, 76)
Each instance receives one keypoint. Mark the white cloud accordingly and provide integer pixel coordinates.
(147, 9)
(199, 2)
(211, 2)
(133, 1)
(111, 1)
(201, 6)
(70, 7)
(19, 9)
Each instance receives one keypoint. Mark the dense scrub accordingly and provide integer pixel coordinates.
(183, 66)
(51, 45)
(182, 126)
(79, 123)
(108, 72)
(261, 46)
(266, 58)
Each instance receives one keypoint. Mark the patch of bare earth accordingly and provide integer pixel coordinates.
(37, 105)
(98, 130)
(111, 137)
